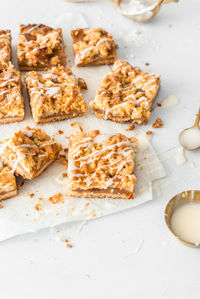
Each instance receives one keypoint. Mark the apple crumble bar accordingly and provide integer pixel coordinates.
(29, 152)
(40, 47)
(11, 100)
(5, 48)
(126, 94)
(8, 187)
(99, 166)
(54, 95)
(93, 46)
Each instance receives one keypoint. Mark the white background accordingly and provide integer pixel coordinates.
(129, 254)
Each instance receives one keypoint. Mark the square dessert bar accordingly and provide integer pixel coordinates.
(40, 47)
(126, 94)
(5, 48)
(8, 187)
(99, 166)
(54, 95)
(93, 47)
(11, 100)
(29, 152)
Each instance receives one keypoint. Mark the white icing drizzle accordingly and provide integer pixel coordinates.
(32, 28)
(86, 143)
(52, 91)
(81, 55)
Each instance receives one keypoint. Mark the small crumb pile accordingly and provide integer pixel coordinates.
(158, 123)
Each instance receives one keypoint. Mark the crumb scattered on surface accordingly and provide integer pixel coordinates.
(133, 139)
(158, 123)
(37, 207)
(147, 63)
(76, 124)
(31, 195)
(87, 204)
(149, 132)
(56, 198)
(69, 245)
(64, 174)
(60, 132)
(1, 206)
(27, 214)
(159, 105)
(131, 127)
(62, 160)
(82, 84)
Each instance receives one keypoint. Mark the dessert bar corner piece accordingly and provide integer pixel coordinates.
(54, 95)
(8, 187)
(40, 47)
(126, 94)
(93, 46)
(100, 166)
(29, 152)
(5, 48)
(11, 100)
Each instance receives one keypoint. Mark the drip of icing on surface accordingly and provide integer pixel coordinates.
(170, 101)
(190, 138)
(185, 221)
(180, 156)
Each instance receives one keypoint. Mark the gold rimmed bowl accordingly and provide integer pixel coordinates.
(174, 203)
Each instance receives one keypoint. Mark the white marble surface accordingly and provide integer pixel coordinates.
(130, 254)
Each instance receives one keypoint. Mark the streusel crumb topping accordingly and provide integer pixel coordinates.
(92, 43)
(29, 149)
(54, 92)
(40, 45)
(5, 48)
(11, 100)
(7, 179)
(126, 93)
(96, 161)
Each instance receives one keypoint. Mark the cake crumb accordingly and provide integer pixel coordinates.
(87, 204)
(69, 245)
(159, 104)
(31, 195)
(62, 160)
(149, 132)
(56, 198)
(131, 127)
(133, 139)
(60, 132)
(82, 84)
(37, 207)
(1, 206)
(147, 63)
(158, 123)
